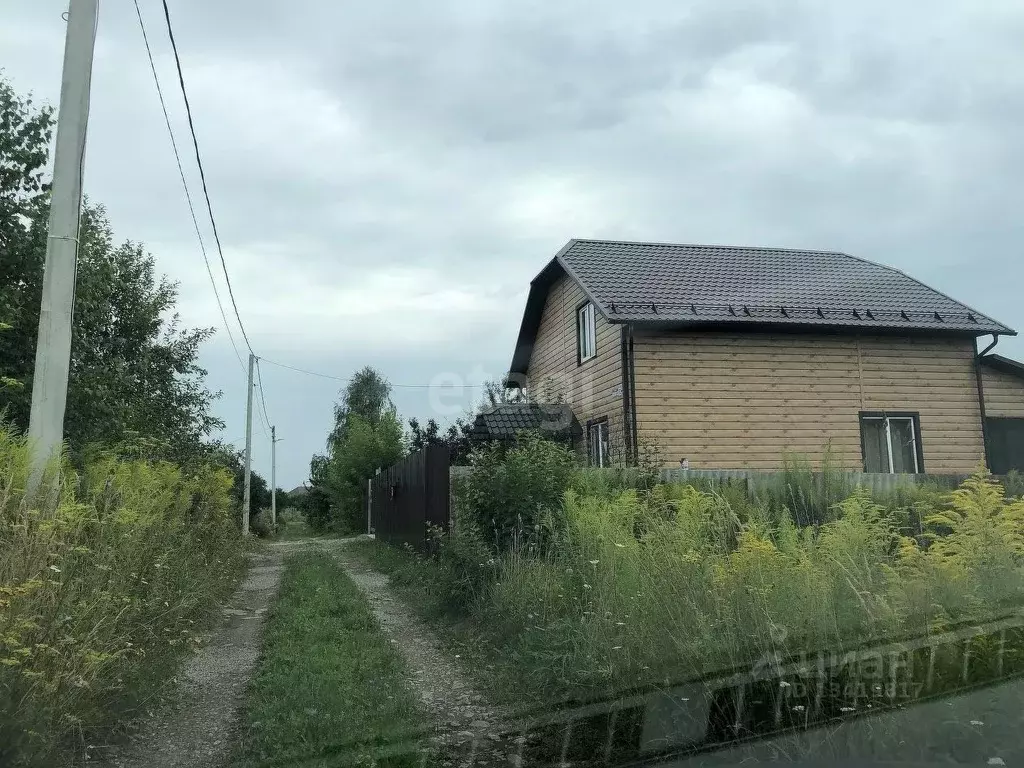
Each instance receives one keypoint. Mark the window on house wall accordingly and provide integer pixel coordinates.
(586, 333)
(891, 442)
(597, 443)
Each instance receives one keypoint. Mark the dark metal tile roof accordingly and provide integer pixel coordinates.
(1004, 365)
(506, 420)
(661, 285)
(703, 283)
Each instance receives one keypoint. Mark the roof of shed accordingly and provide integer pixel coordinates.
(506, 420)
(672, 286)
(1004, 365)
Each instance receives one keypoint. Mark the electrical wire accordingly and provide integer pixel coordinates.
(184, 184)
(202, 174)
(349, 378)
(263, 401)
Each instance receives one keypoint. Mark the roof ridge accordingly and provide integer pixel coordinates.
(706, 245)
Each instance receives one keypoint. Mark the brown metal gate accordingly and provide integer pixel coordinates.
(410, 495)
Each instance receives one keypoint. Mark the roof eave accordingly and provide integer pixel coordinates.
(535, 299)
(670, 324)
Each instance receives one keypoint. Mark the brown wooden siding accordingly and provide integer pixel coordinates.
(594, 389)
(1004, 394)
(729, 401)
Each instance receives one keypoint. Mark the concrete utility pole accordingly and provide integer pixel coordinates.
(273, 477)
(53, 344)
(248, 448)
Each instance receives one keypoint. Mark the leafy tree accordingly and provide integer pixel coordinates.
(368, 395)
(496, 392)
(455, 438)
(233, 460)
(134, 370)
(25, 133)
(366, 436)
(365, 448)
(316, 504)
(283, 499)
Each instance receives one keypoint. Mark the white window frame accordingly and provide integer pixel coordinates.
(888, 437)
(586, 333)
(597, 441)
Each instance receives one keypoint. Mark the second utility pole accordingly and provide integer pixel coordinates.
(273, 478)
(248, 449)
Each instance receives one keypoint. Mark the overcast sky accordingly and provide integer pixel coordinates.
(389, 176)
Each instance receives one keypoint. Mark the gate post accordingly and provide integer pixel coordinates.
(369, 504)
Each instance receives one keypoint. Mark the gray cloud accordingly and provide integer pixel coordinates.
(388, 177)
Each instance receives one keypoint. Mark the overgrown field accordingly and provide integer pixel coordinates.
(105, 580)
(578, 582)
(330, 689)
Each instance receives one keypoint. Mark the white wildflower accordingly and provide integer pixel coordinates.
(783, 684)
(799, 708)
(620, 546)
(586, 586)
(593, 562)
(847, 709)
(55, 569)
(977, 722)
(996, 761)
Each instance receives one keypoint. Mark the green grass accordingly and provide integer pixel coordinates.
(291, 525)
(421, 583)
(330, 689)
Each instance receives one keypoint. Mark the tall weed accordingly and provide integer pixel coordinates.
(673, 583)
(106, 579)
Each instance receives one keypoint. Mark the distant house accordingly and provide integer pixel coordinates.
(727, 357)
(297, 491)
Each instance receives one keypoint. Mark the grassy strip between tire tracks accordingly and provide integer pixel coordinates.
(330, 688)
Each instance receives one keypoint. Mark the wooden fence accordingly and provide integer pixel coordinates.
(406, 498)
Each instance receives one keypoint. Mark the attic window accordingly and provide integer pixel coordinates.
(586, 333)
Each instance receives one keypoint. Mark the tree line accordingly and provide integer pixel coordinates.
(366, 435)
(136, 387)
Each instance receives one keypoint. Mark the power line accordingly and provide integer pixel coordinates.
(349, 378)
(202, 174)
(263, 402)
(184, 184)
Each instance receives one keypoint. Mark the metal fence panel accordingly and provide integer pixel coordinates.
(409, 496)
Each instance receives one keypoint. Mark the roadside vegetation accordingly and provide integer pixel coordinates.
(330, 689)
(110, 571)
(574, 581)
(107, 578)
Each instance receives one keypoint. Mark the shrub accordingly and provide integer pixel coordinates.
(105, 580)
(516, 491)
(260, 525)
